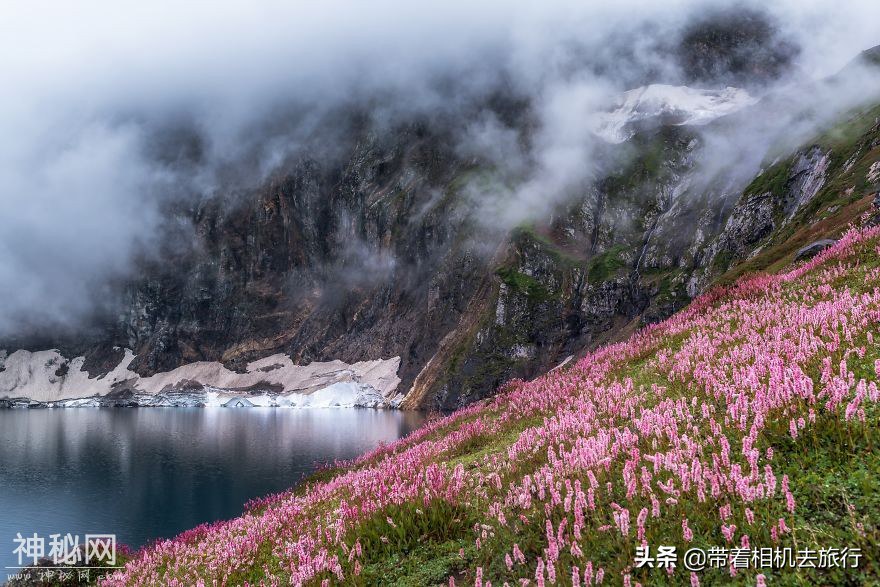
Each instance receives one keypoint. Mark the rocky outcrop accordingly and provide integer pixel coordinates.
(735, 44)
(874, 173)
(813, 249)
(750, 222)
(806, 178)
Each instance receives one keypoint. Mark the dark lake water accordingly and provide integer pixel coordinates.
(146, 473)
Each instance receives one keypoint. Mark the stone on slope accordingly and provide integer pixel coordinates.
(813, 249)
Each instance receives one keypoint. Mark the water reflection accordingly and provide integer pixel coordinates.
(154, 472)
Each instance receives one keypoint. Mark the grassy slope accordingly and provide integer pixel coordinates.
(498, 449)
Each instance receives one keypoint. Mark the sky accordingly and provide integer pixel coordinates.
(92, 89)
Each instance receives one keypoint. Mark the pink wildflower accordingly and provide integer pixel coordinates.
(686, 531)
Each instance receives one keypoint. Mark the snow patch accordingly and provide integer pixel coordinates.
(338, 395)
(47, 376)
(678, 105)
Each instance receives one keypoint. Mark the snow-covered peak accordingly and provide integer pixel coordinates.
(678, 105)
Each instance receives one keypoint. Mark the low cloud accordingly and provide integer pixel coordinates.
(112, 110)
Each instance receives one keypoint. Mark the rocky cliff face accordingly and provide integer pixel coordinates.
(379, 252)
(648, 239)
(355, 262)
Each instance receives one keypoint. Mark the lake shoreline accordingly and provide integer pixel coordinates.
(145, 474)
(23, 403)
(337, 395)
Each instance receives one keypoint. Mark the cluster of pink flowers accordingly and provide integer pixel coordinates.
(626, 444)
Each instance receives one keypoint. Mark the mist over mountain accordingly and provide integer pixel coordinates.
(354, 181)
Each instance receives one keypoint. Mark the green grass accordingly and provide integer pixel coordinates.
(773, 180)
(835, 472)
(607, 265)
(522, 283)
(421, 545)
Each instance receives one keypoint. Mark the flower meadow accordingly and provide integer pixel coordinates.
(750, 419)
